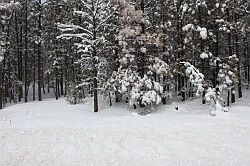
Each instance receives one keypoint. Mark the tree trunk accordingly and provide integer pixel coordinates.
(48, 82)
(230, 53)
(95, 72)
(238, 56)
(141, 58)
(26, 55)
(95, 91)
(233, 95)
(1, 96)
(34, 73)
(61, 83)
(39, 52)
(20, 68)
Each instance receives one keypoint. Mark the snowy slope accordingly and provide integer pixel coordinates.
(53, 133)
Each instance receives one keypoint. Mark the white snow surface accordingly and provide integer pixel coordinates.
(54, 133)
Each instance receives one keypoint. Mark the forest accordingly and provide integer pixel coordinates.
(140, 52)
(124, 82)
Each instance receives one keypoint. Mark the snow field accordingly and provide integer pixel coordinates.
(53, 133)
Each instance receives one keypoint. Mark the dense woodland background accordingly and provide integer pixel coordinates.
(142, 52)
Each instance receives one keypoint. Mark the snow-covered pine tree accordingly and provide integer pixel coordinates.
(95, 15)
(134, 76)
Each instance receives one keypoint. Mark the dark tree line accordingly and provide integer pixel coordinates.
(140, 52)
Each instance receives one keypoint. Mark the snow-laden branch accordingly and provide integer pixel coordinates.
(195, 77)
(69, 27)
(79, 35)
(72, 27)
(12, 6)
(190, 27)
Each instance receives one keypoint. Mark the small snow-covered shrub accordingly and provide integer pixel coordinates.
(214, 94)
(168, 96)
(146, 93)
(121, 83)
(74, 95)
(226, 77)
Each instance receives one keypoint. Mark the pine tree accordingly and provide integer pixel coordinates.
(95, 16)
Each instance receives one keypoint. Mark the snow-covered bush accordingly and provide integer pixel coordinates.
(74, 94)
(142, 92)
(214, 94)
(227, 74)
(195, 77)
(202, 30)
(121, 82)
(146, 93)
(226, 78)
(159, 67)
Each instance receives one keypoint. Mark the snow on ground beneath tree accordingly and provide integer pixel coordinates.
(55, 133)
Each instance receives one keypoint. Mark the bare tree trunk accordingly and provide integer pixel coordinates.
(1, 95)
(216, 52)
(141, 58)
(20, 68)
(34, 73)
(95, 72)
(48, 82)
(95, 91)
(248, 58)
(230, 53)
(56, 89)
(17, 49)
(56, 85)
(238, 56)
(39, 52)
(26, 55)
(1, 85)
(61, 83)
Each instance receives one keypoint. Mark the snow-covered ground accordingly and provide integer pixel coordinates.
(54, 133)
